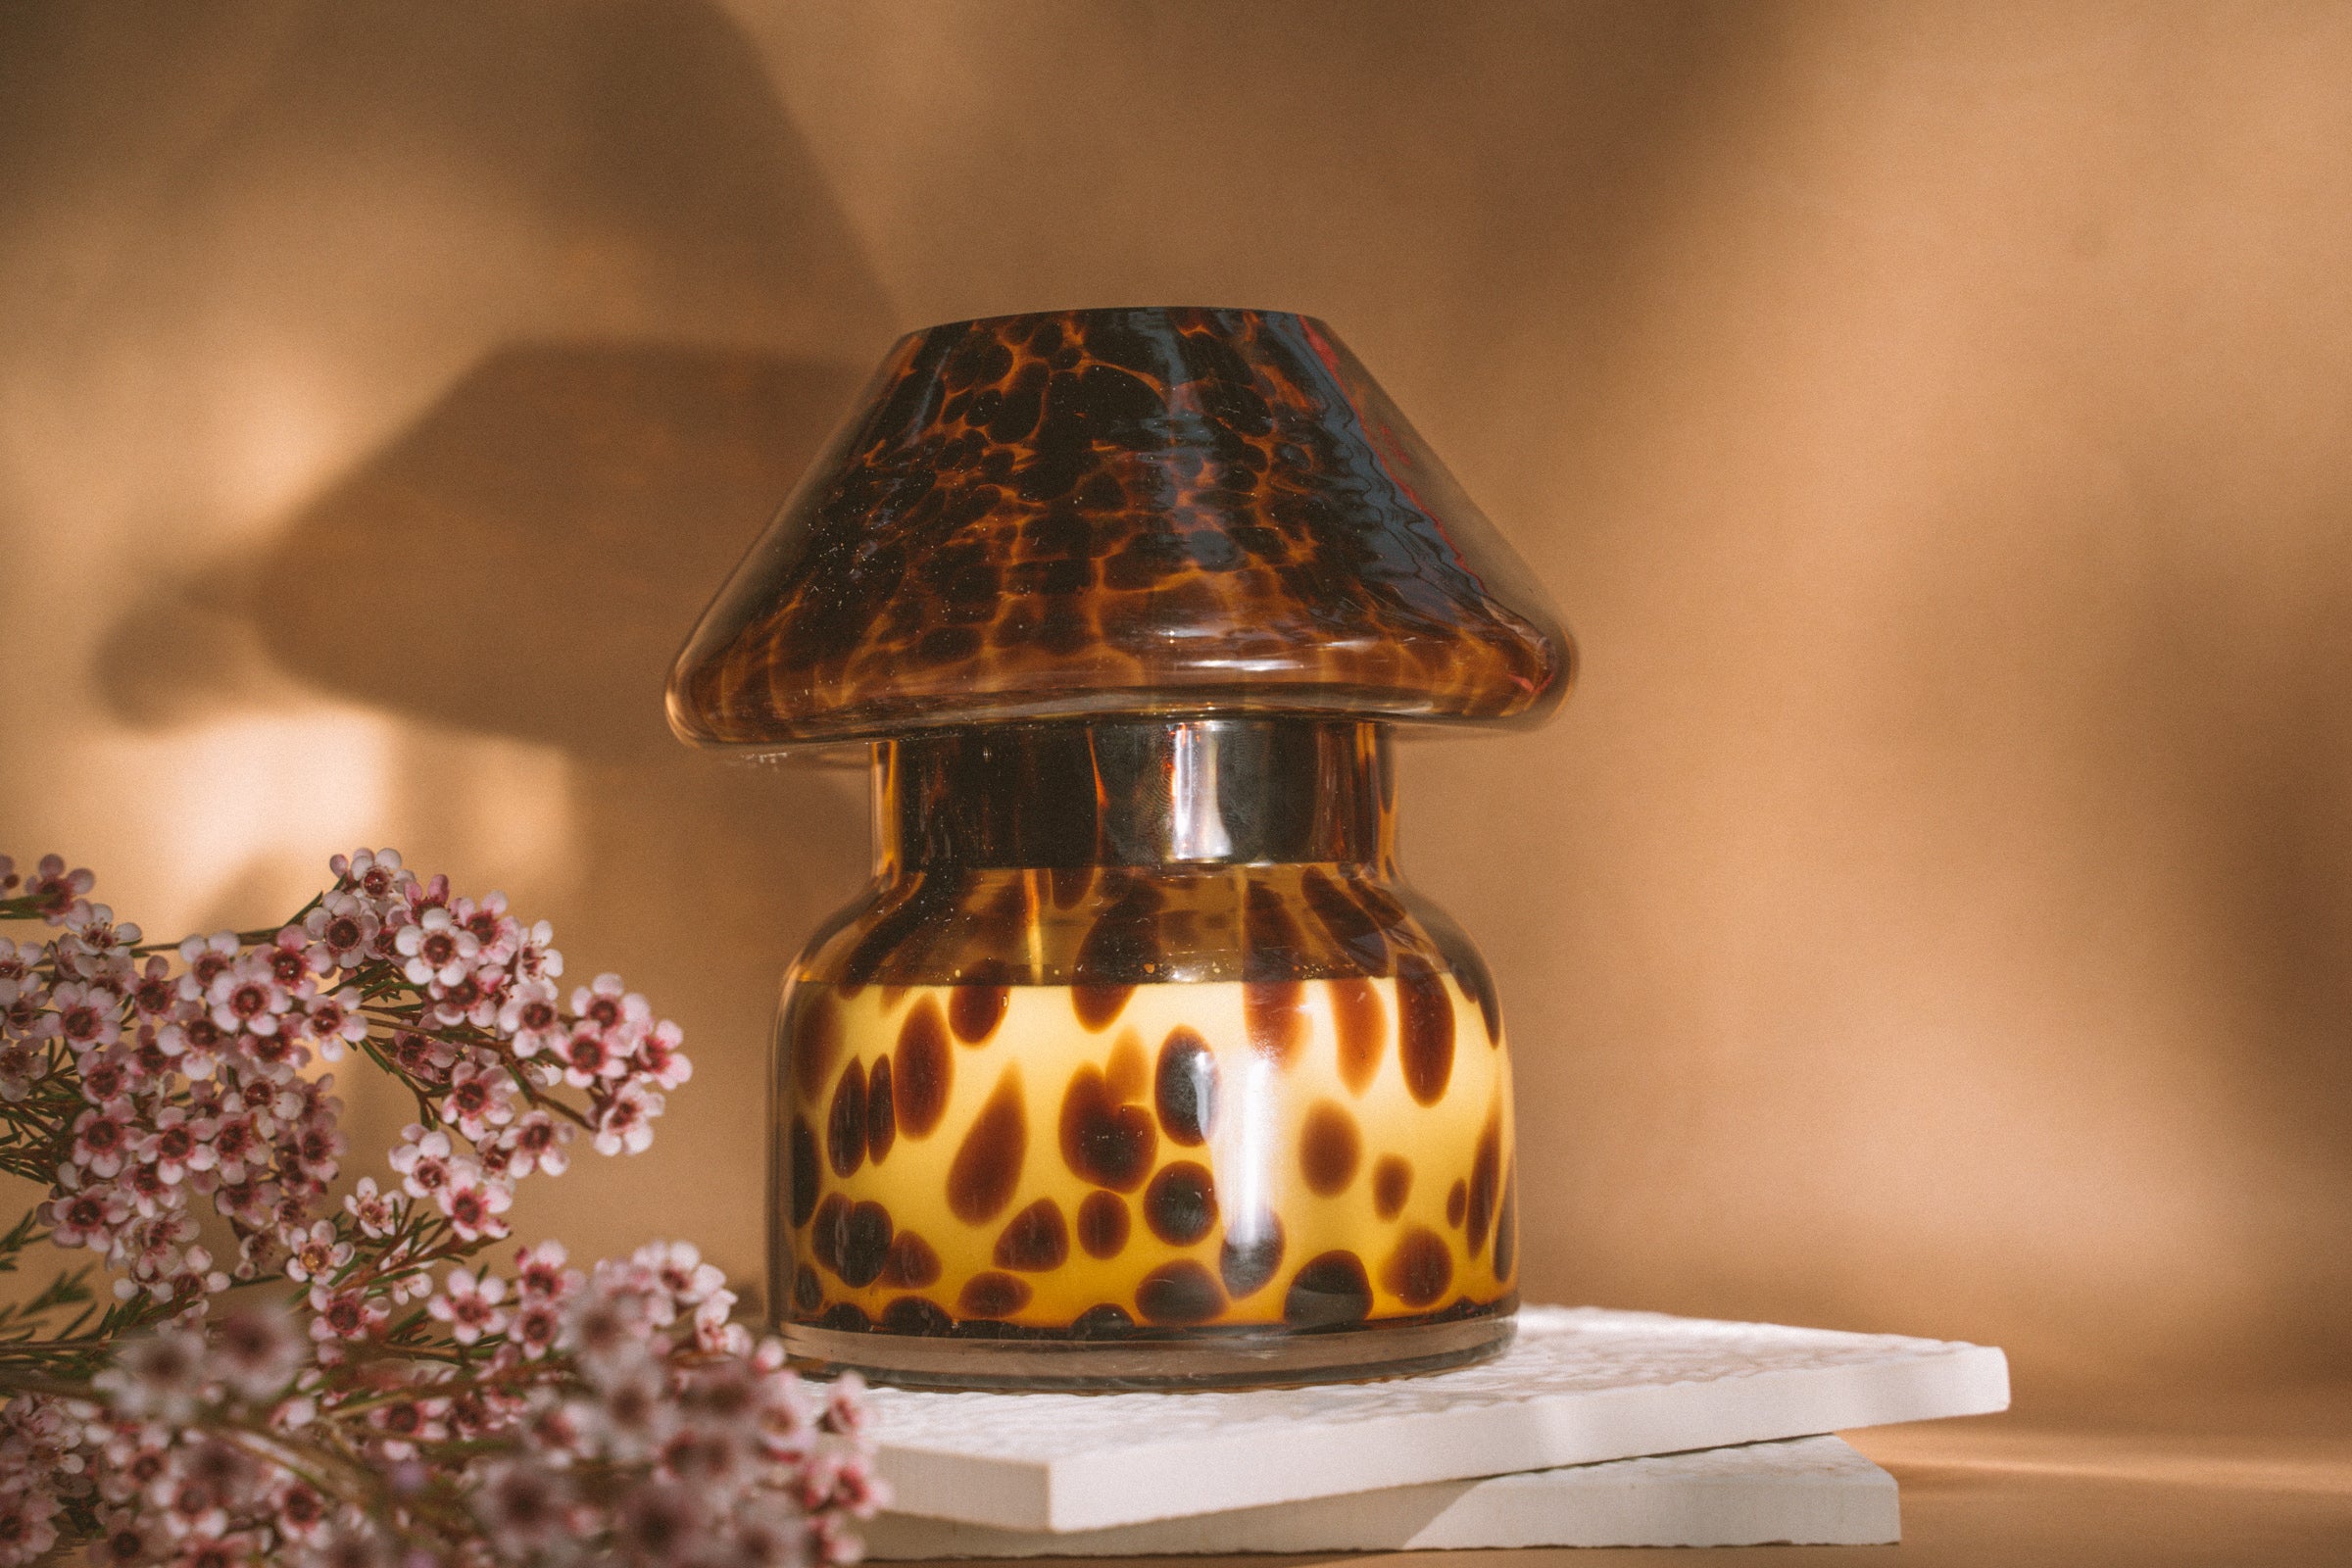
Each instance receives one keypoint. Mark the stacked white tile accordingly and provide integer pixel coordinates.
(1579, 1385)
(1804, 1491)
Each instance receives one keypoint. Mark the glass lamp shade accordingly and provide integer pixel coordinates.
(1137, 1063)
(1119, 512)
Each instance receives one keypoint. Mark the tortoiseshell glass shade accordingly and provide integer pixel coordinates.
(1140, 511)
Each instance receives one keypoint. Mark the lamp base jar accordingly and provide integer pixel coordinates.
(1138, 1066)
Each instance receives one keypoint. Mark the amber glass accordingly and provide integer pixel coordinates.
(1140, 511)
(1138, 1064)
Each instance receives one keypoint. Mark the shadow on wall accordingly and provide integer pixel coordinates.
(539, 544)
(525, 559)
(528, 558)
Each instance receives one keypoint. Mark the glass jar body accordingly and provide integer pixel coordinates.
(1138, 1065)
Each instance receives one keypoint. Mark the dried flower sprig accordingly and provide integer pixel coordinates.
(390, 1400)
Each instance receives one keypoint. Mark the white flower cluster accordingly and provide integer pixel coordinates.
(427, 1408)
(193, 1085)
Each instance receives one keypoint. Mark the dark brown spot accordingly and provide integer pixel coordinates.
(988, 1163)
(1506, 1226)
(924, 1068)
(1486, 1180)
(974, 1012)
(1119, 949)
(1250, 1256)
(1424, 1029)
(1180, 1204)
(1185, 1087)
(1182, 1292)
(829, 1230)
(1489, 1009)
(881, 1121)
(804, 1174)
(1034, 1240)
(814, 1030)
(1349, 924)
(1099, 1007)
(1127, 1074)
(1272, 945)
(1363, 1030)
(1470, 973)
(845, 1123)
(1457, 1199)
(1067, 884)
(912, 1314)
(1102, 1224)
(1330, 1290)
(845, 1317)
(1419, 1270)
(1380, 905)
(1391, 1185)
(913, 914)
(806, 1293)
(864, 1244)
(1103, 1142)
(993, 1296)
(912, 1262)
(1002, 921)
(1274, 1017)
(1104, 1322)
(1329, 1147)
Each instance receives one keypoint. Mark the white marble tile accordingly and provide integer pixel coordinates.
(1805, 1492)
(1580, 1385)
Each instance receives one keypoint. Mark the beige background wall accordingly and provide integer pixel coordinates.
(1932, 914)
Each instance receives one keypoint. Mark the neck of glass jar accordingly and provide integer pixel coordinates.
(1137, 792)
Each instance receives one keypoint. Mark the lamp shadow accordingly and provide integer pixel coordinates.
(523, 562)
(543, 539)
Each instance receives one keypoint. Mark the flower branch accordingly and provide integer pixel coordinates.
(374, 1392)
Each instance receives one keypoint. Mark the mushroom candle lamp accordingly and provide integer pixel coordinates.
(1137, 1063)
